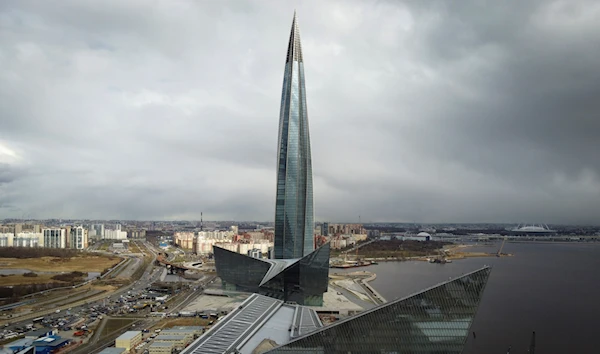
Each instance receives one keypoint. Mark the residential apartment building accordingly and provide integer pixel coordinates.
(97, 231)
(28, 239)
(137, 233)
(184, 240)
(78, 238)
(55, 237)
(115, 234)
(6, 239)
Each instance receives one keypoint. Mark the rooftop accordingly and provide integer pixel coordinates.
(169, 337)
(23, 342)
(50, 341)
(186, 328)
(161, 344)
(175, 330)
(129, 335)
(256, 318)
(38, 332)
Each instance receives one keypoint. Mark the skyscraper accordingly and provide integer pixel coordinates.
(294, 203)
(299, 273)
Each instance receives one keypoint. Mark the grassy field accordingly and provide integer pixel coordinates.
(133, 248)
(179, 259)
(115, 324)
(52, 264)
(18, 279)
(182, 321)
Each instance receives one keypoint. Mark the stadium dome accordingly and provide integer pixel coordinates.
(423, 234)
(531, 228)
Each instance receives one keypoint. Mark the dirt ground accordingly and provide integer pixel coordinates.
(18, 279)
(52, 264)
(183, 321)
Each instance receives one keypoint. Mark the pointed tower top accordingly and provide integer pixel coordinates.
(294, 52)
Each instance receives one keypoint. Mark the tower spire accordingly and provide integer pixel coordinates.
(294, 48)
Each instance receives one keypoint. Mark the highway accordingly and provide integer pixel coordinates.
(82, 301)
(76, 306)
(181, 301)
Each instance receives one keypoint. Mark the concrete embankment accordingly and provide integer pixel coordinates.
(379, 299)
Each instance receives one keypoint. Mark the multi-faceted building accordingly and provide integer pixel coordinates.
(298, 273)
(301, 280)
(294, 225)
(435, 320)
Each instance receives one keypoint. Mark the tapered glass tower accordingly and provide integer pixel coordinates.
(294, 204)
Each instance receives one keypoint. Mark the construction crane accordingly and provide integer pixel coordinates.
(501, 247)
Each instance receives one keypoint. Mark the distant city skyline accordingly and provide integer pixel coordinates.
(427, 112)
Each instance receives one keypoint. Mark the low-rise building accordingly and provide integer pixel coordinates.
(49, 344)
(42, 332)
(28, 350)
(189, 335)
(128, 340)
(178, 341)
(161, 348)
(197, 330)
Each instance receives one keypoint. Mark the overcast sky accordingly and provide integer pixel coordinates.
(423, 111)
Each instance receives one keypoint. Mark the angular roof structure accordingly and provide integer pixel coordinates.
(302, 280)
(435, 320)
(257, 318)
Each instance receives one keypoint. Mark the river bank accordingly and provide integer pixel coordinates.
(524, 293)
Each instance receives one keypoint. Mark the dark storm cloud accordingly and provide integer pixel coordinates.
(419, 111)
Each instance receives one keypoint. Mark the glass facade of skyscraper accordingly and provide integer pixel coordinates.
(302, 281)
(434, 321)
(294, 220)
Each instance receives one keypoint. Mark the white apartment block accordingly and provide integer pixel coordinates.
(55, 238)
(206, 246)
(78, 238)
(6, 239)
(115, 234)
(28, 239)
(184, 239)
(217, 235)
(96, 231)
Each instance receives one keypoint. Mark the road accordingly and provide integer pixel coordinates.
(150, 275)
(146, 278)
(182, 300)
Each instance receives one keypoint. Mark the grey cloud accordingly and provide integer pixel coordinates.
(419, 111)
